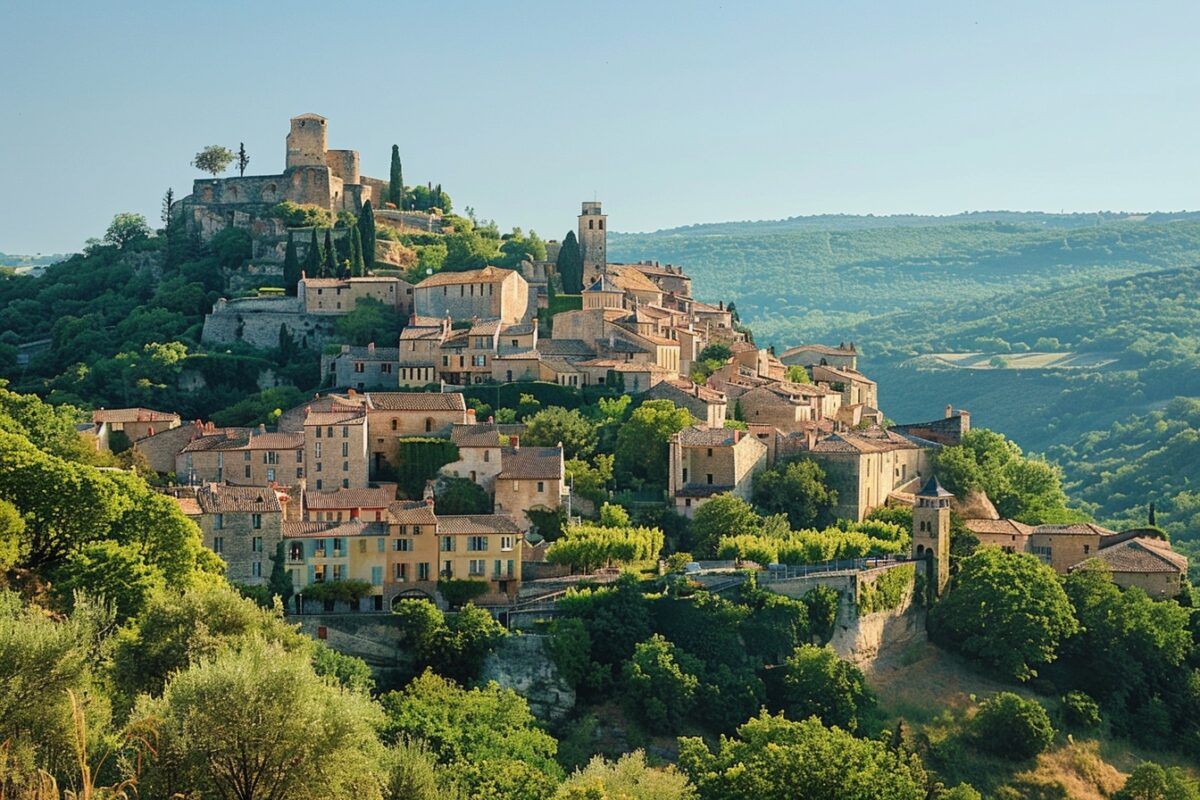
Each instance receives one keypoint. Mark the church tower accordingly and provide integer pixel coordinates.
(931, 532)
(593, 241)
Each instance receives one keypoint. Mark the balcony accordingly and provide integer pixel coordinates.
(318, 554)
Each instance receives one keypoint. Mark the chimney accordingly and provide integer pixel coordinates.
(371, 348)
(428, 494)
(810, 438)
(737, 435)
(949, 411)
(262, 428)
(470, 415)
(491, 420)
(514, 442)
(721, 305)
(307, 410)
(345, 348)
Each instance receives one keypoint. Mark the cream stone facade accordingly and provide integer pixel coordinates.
(866, 467)
(705, 462)
(529, 478)
(335, 449)
(340, 296)
(488, 293)
(240, 524)
(243, 456)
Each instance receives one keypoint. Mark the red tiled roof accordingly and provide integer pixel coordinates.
(531, 463)
(416, 401)
(485, 275)
(217, 499)
(336, 417)
(477, 524)
(379, 497)
(1142, 555)
(133, 415)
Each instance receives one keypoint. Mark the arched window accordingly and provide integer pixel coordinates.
(920, 550)
(233, 193)
(591, 224)
(269, 192)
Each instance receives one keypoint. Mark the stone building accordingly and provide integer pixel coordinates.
(135, 423)
(162, 448)
(344, 505)
(362, 368)
(391, 415)
(335, 449)
(1146, 561)
(931, 530)
(328, 552)
(844, 356)
(593, 240)
(529, 478)
(243, 456)
(312, 175)
(341, 295)
(488, 293)
(705, 462)
(705, 404)
(240, 524)
(480, 451)
(866, 467)
(856, 388)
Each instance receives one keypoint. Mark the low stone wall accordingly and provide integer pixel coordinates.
(256, 321)
(372, 637)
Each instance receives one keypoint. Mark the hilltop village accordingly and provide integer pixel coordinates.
(322, 474)
(345, 487)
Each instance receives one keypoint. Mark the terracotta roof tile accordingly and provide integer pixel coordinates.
(379, 497)
(416, 401)
(477, 525)
(217, 499)
(485, 275)
(531, 463)
(1142, 555)
(133, 415)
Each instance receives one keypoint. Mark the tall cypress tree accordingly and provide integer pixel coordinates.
(314, 258)
(331, 265)
(396, 180)
(366, 229)
(291, 266)
(570, 264)
(357, 267)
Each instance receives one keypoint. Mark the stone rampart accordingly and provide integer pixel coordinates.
(256, 322)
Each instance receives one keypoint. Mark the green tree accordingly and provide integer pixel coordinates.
(614, 516)
(396, 180)
(587, 480)
(370, 321)
(12, 527)
(330, 269)
(797, 489)
(555, 425)
(1149, 781)
(243, 159)
(314, 258)
(775, 758)
(487, 737)
(280, 581)
(570, 264)
(357, 264)
(258, 723)
(454, 645)
(616, 617)
(366, 230)
(798, 374)
(112, 572)
(818, 683)
(291, 266)
(1010, 726)
(213, 159)
(413, 772)
(641, 455)
(723, 515)
(126, 229)
(627, 778)
(462, 496)
(660, 684)
(1008, 610)
(349, 671)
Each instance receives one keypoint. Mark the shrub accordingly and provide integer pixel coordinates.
(1080, 711)
(887, 591)
(297, 215)
(818, 683)
(1010, 726)
(458, 591)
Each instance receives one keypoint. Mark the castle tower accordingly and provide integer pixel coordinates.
(307, 141)
(931, 532)
(593, 240)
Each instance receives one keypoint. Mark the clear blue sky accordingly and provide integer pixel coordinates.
(671, 113)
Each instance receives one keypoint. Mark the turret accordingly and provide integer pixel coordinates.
(931, 533)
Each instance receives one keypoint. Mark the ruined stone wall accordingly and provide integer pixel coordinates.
(523, 664)
(257, 322)
(344, 164)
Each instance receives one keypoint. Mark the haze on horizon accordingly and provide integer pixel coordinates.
(675, 114)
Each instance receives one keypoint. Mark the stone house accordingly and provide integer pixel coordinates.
(243, 456)
(135, 423)
(603, 293)
(420, 350)
(1007, 534)
(705, 404)
(705, 462)
(856, 388)
(343, 505)
(480, 451)
(1147, 562)
(481, 547)
(670, 279)
(786, 406)
(844, 356)
(1064, 546)
(593, 239)
(341, 295)
(241, 524)
(391, 415)
(866, 467)
(162, 448)
(488, 293)
(362, 368)
(335, 449)
(529, 478)
(325, 552)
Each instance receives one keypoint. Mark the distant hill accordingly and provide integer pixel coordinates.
(1052, 329)
(10, 260)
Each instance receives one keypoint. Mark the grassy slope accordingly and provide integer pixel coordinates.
(934, 692)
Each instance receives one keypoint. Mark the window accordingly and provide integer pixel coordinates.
(395, 423)
(256, 521)
(402, 545)
(377, 576)
(329, 431)
(541, 487)
(345, 449)
(511, 568)
(299, 456)
(487, 456)
(496, 568)
(337, 546)
(317, 448)
(299, 472)
(319, 465)
(386, 369)
(218, 522)
(685, 469)
(506, 543)
(382, 545)
(345, 483)
(362, 545)
(318, 431)
(339, 572)
(477, 544)
(345, 431)
(318, 479)
(360, 366)
(709, 476)
(478, 566)
(345, 466)
(479, 361)
(256, 569)
(428, 424)
(400, 572)
(256, 544)
(423, 571)
(447, 545)
(710, 452)
(247, 470)
(218, 544)
(416, 530)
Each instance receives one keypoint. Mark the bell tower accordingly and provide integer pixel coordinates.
(931, 533)
(593, 240)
